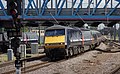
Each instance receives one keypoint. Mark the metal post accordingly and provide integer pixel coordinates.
(18, 62)
(23, 6)
(56, 7)
(39, 34)
(93, 6)
(51, 3)
(39, 6)
(114, 32)
(66, 4)
(72, 8)
(37, 3)
(111, 3)
(81, 4)
(18, 70)
(106, 8)
(89, 7)
(9, 42)
(111, 33)
(119, 33)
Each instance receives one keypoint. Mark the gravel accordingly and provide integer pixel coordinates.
(92, 62)
(12, 67)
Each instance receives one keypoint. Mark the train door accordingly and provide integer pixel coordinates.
(87, 39)
(68, 38)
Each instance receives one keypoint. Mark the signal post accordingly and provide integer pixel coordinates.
(14, 9)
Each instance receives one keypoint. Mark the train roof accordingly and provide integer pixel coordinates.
(83, 29)
(94, 31)
(66, 27)
(58, 27)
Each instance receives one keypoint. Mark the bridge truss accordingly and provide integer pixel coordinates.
(66, 10)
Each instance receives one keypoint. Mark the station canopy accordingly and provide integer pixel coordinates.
(32, 24)
(112, 23)
(95, 24)
(79, 24)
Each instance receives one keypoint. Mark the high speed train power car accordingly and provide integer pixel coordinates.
(62, 41)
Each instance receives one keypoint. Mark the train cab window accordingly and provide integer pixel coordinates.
(55, 32)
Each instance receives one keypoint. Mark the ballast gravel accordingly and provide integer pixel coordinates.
(92, 62)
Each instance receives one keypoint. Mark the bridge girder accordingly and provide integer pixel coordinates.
(66, 10)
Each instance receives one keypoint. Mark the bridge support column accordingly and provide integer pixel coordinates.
(119, 33)
(114, 32)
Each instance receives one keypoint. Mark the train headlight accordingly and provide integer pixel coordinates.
(62, 43)
(46, 44)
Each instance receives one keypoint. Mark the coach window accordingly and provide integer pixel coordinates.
(5, 36)
(1, 37)
(78, 34)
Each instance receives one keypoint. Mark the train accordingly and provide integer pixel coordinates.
(27, 38)
(4, 42)
(64, 42)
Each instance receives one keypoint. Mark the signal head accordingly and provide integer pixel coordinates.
(14, 13)
(13, 4)
(13, 9)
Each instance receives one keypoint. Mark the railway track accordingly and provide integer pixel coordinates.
(116, 70)
(6, 64)
(37, 66)
(43, 64)
(34, 67)
(10, 65)
(27, 59)
(30, 68)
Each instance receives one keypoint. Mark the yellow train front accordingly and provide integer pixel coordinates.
(54, 42)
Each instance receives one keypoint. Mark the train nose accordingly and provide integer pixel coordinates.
(54, 45)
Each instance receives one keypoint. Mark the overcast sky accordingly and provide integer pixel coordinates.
(85, 3)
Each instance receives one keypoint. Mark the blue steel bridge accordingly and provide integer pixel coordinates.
(66, 10)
